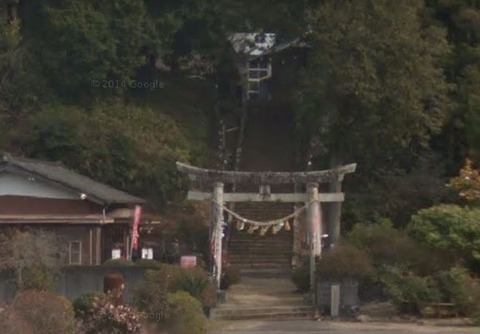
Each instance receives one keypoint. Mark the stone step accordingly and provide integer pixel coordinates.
(265, 242)
(279, 241)
(257, 252)
(262, 265)
(252, 265)
(250, 313)
(285, 272)
(259, 259)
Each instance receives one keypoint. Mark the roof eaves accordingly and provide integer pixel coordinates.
(91, 197)
(18, 164)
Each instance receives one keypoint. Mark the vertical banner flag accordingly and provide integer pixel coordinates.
(316, 229)
(136, 223)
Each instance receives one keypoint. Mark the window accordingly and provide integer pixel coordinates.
(147, 253)
(258, 71)
(75, 252)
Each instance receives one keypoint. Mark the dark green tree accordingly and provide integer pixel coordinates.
(89, 42)
(374, 90)
(461, 135)
(129, 147)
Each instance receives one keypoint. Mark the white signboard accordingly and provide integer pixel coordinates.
(147, 253)
(116, 253)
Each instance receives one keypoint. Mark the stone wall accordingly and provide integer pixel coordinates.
(76, 281)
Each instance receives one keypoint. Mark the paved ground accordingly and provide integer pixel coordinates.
(260, 292)
(319, 327)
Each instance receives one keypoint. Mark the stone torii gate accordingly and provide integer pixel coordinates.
(312, 199)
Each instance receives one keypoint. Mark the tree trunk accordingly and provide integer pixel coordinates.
(335, 208)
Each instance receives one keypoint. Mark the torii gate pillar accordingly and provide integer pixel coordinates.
(217, 229)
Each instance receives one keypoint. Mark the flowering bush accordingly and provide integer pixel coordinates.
(83, 305)
(109, 318)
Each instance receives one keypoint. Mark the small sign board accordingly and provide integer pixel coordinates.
(116, 253)
(188, 261)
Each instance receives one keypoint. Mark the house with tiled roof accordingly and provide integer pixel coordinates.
(93, 219)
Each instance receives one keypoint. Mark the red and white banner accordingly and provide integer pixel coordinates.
(136, 224)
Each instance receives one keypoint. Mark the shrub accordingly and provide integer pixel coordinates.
(187, 316)
(344, 261)
(387, 246)
(232, 275)
(301, 278)
(196, 282)
(118, 262)
(449, 228)
(12, 323)
(37, 279)
(380, 240)
(145, 263)
(46, 312)
(83, 305)
(110, 318)
(403, 286)
(208, 298)
(459, 288)
(151, 299)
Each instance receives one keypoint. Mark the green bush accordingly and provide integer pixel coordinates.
(118, 262)
(83, 305)
(449, 228)
(46, 312)
(150, 298)
(403, 286)
(166, 274)
(186, 316)
(301, 278)
(387, 246)
(12, 323)
(37, 279)
(344, 261)
(172, 278)
(145, 263)
(209, 297)
(458, 287)
(232, 275)
(381, 241)
(196, 282)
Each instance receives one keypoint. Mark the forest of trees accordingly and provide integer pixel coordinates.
(391, 85)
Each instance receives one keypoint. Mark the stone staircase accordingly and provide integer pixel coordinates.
(268, 255)
(260, 298)
(267, 146)
(270, 313)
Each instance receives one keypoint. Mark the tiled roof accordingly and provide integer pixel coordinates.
(59, 174)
